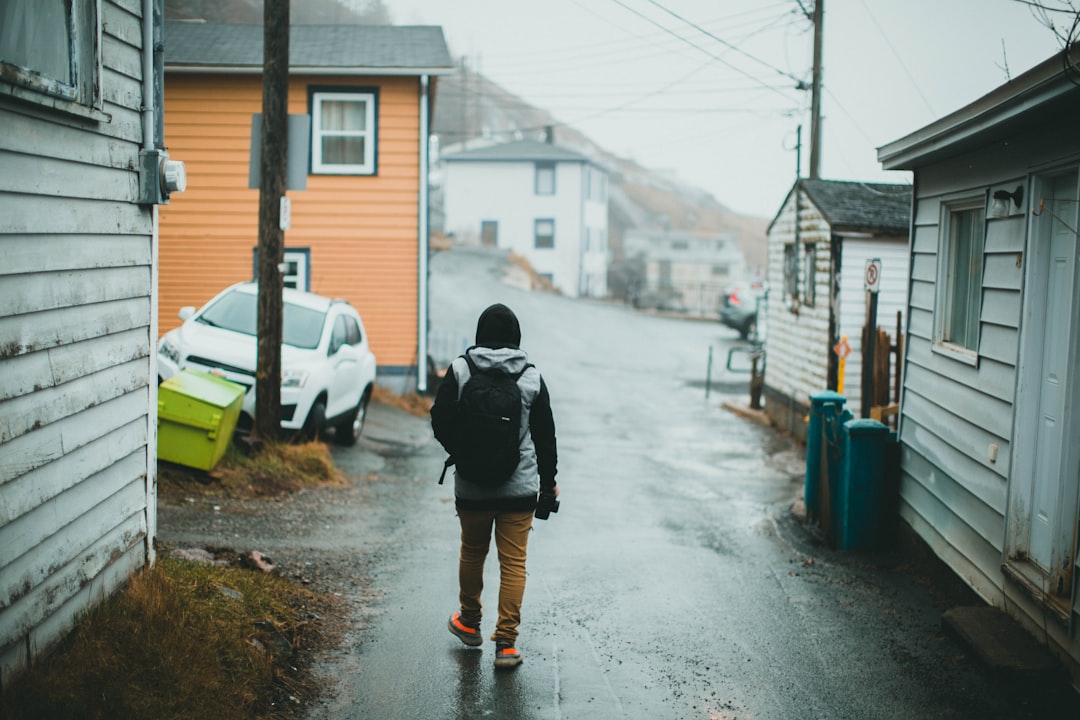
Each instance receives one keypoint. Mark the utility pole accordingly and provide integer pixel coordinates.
(815, 101)
(274, 154)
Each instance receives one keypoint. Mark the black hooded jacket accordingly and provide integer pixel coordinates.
(497, 338)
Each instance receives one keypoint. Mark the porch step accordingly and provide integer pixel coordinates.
(1000, 643)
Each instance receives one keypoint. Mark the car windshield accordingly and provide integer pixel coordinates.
(237, 311)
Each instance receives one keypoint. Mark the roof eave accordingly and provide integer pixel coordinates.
(1039, 85)
(309, 70)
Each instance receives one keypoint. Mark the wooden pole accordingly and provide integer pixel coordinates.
(868, 354)
(815, 98)
(271, 237)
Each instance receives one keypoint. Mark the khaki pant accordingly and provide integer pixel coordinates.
(511, 537)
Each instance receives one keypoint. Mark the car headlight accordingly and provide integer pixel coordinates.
(169, 350)
(293, 378)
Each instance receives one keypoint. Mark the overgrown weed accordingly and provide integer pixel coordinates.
(181, 640)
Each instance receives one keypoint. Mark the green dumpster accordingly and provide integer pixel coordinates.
(197, 414)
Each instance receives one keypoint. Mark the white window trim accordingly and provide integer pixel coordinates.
(943, 347)
(318, 167)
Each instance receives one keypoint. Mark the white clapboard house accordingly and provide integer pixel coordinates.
(83, 173)
(990, 411)
(539, 200)
(818, 246)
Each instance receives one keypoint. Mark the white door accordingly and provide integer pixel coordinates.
(1051, 527)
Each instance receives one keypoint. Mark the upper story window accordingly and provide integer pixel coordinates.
(343, 133)
(545, 178)
(51, 47)
(960, 275)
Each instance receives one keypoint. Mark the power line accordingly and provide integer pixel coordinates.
(798, 81)
(899, 59)
(719, 59)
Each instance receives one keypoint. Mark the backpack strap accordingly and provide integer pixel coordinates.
(473, 370)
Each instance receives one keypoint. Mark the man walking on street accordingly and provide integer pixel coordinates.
(504, 469)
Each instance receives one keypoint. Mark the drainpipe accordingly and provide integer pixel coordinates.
(148, 74)
(422, 284)
(152, 389)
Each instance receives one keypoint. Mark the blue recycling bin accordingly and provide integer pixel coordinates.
(861, 503)
(823, 453)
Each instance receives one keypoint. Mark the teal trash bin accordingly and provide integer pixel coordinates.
(861, 507)
(826, 411)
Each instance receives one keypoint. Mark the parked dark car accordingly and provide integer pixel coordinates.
(740, 309)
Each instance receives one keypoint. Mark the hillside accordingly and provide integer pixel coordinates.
(469, 106)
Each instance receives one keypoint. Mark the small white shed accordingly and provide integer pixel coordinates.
(818, 247)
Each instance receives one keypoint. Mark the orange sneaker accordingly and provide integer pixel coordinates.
(468, 635)
(506, 656)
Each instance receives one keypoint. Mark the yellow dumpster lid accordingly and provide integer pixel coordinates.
(208, 388)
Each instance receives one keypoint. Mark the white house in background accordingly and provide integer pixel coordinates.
(682, 270)
(82, 175)
(990, 414)
(818, 245)
(544, 202)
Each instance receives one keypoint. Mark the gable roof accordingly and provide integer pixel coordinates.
(197, 46)
(1048, 90)
(519, 151)
(852, 205)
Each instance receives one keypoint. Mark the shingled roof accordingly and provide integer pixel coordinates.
(338, 49)
(519, 151)
(849, 205)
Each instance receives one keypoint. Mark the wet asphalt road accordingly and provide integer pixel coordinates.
(674, 581)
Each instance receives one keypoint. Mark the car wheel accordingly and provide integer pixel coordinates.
(347, 432)
(316, 421)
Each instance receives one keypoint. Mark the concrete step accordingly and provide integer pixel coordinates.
(1001, 644)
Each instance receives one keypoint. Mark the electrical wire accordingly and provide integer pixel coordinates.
(712, 55)
(725, 43)
(899, 59)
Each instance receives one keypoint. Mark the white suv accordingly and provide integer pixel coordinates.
(327, 368)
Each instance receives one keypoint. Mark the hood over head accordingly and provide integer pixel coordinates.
(498, 327)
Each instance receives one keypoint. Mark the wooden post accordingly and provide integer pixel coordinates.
(271, 236)
(868, 354)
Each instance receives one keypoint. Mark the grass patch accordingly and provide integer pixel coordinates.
(278, 469)
(412, 403)
(182, 640)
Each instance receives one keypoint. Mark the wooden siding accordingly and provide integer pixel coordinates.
(798, 342)
(76, 420)
(362, 231)
(892, 298)
(951, 493)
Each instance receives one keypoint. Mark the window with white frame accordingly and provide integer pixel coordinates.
(51, 47)
(544, 233)
(545, 178)
(343, 133)
(960, 274)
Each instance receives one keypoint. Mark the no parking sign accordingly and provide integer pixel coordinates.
(873, 275)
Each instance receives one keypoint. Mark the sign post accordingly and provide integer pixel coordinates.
(872, 283)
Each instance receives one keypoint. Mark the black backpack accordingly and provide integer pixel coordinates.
(488, 433)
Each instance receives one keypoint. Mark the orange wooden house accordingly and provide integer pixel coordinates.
(359, 229)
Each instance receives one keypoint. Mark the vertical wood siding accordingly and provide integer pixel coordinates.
(76, 466)
(361, 230)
